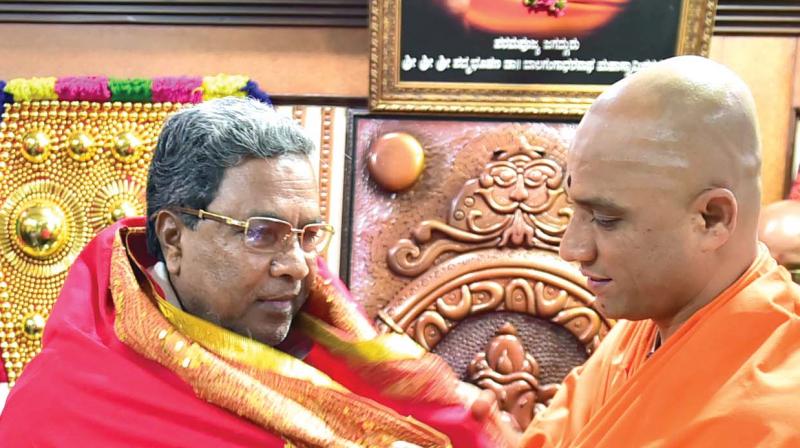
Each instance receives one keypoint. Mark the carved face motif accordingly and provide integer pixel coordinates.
(519, 182)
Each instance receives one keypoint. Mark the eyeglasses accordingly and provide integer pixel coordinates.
(266, 233)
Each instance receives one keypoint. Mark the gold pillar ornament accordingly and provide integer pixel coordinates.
(67, 171)
(41, 229)
(36, 146)
(80, 146)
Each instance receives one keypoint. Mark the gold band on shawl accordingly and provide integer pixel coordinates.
(241, 349)
(383, 348)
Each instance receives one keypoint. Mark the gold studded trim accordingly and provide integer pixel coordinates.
(35, 146)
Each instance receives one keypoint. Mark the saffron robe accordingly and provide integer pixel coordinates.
(729, 376)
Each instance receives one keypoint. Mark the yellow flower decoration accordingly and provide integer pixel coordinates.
(223, 85)
(33, 89)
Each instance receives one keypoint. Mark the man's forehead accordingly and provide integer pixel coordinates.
(283, 187)
(303, 215)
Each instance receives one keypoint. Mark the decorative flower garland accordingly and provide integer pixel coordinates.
(553, 8)
(181, 89)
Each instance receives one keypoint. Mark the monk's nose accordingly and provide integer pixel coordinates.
(577, 243)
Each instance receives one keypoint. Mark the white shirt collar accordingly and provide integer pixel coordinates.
(158, 272)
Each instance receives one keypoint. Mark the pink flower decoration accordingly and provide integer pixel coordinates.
(184, 89)
(553, 8)
(83, 88)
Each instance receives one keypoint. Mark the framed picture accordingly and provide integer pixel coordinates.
(405, 170)
(526, 57)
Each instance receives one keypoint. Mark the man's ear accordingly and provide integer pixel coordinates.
(718, 211)
(169, 227)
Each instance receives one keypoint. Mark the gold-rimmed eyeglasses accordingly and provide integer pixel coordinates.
(263, 233)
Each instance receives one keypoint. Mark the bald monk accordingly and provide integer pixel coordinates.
(664, 177)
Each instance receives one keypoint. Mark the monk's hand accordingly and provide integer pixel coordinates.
(479, 401)
(483, 405)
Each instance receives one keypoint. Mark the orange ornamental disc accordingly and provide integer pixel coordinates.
(395, 161)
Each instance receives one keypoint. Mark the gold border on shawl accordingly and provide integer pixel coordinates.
(383, 348)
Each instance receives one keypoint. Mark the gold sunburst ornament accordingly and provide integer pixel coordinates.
(35, 145)
(46, 226)
(67, 170)
(41, 228)
(81, 143)
(127, 146)
(119, 199)
(131, 143)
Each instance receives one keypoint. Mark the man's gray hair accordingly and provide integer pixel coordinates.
(198, 144)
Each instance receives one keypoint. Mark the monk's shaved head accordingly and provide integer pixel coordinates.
(696, 122)
(664, 172)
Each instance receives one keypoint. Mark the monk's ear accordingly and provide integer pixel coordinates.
(718, 211)
(169, 228)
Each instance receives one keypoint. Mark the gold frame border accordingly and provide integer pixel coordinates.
(388, 94)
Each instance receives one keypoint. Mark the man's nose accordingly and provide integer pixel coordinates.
(292, 262)
(577, 244)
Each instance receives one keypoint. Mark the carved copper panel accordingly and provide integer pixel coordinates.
(455, 152)
(465, 260)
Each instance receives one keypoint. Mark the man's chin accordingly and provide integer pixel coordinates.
(610, 307)
(615, 308)
(273, 336)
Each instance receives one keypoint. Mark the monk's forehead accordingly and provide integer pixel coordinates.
(611, 152)
(615, 175)
(635, 141)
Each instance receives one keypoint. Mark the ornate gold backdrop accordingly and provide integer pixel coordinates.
(68, 169)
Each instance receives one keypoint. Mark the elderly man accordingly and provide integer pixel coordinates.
(213, 323)
(664, 177)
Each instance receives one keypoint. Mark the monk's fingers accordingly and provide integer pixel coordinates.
(484, 405)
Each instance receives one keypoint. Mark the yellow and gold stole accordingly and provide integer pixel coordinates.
(266, 386)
